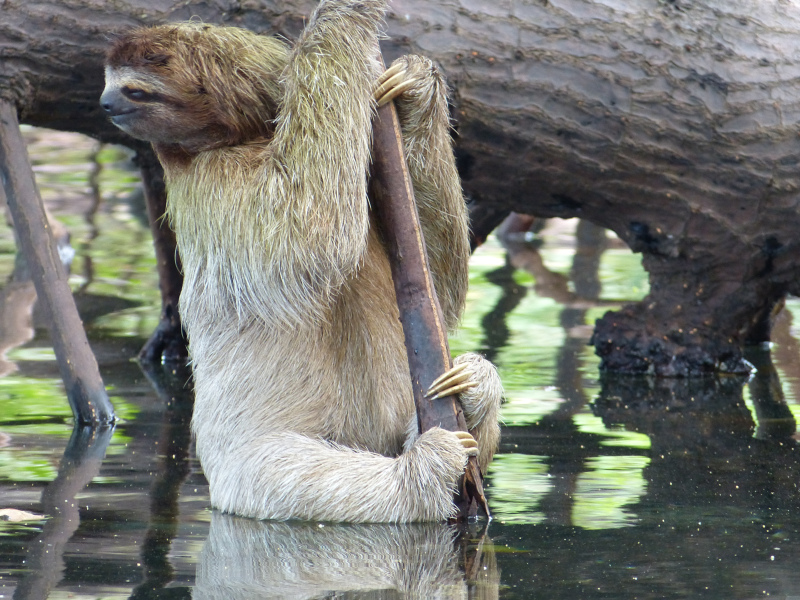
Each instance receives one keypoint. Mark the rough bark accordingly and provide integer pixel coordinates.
(672, 123)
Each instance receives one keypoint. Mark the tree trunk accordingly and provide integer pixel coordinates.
(672, 123)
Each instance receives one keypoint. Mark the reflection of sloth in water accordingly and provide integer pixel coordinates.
(248, 560)
(304, 405)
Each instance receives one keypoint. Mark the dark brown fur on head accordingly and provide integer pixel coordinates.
(221, 78)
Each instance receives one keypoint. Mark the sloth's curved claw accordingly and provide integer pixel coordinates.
(467, 442)
(454, 381)
(457, 389)
(393, 70)
(392, 83)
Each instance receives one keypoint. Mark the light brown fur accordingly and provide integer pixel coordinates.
(303, 399)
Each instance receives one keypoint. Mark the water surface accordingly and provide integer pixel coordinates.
(603, 488)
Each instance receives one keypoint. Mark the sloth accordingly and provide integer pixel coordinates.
(304, 407)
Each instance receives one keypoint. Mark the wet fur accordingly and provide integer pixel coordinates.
(303, 399)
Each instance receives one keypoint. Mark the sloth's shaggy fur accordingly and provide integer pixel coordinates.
(303, 400)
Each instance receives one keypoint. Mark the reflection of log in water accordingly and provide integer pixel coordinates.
(775, 420)
(248, 559)
(718, 501)
(703, 449)
(173, 385)
(16, 314)
(18, 297)
(80, 464)
(495, 330)
(564, 467)
(591, 242)
(89, 217)
(786, 350)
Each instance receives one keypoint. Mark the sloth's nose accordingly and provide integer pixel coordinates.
(109, 100)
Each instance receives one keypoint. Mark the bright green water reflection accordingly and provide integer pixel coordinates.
(607, 489)
(603, 487)
(528, 361)
(519, 482)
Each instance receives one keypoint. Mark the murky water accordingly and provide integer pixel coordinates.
(613, 488)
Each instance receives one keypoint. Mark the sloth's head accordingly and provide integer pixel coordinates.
(194, 85)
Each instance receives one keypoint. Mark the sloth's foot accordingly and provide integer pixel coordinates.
(393, 82)
(454, 381)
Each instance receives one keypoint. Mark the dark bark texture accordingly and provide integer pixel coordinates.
(673, 123)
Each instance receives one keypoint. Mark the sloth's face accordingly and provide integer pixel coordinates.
(147, 107)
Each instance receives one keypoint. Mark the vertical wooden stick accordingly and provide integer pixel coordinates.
(79, 370)
(420, 314)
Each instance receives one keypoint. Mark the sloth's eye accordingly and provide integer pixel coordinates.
(136, 94)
